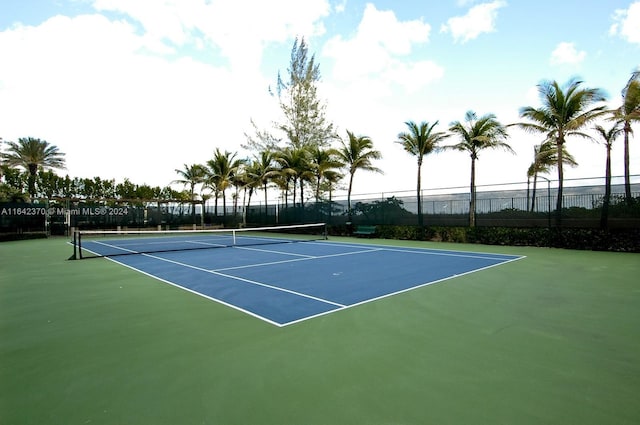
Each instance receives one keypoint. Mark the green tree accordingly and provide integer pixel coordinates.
(14, 184)
(608, 137)
(260, 173)
(305, 123)
(294, 168)
(564, 113)
(322, 162)
(544, 159)
(420, 141)
(221, 171)
(33, 154)
(627, 114)
(191, 176)
(126, 190)
(357, 153)
(478, 134)
(48, 184)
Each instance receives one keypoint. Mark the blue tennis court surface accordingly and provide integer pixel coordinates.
(288, 283)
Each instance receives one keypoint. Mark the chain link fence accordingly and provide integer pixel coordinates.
(512, 205)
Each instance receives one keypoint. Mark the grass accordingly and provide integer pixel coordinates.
(550, 339)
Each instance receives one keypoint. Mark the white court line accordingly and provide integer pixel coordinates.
(114, 246)
(139, 252)
(250, 313)
(422, 285)
(431, 251)
(253, 282)
(306, 258)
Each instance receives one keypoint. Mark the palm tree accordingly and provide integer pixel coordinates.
(249, 183)
(321, 162)
(260, 172)
(221, 170)
(544, 159)
(294, 167)
(628, 113)
(478, 134)
(32, 154)
(608, 137)
(565, 112)
(420, 141)
(331, 179)
(191, 175)
(357, 154)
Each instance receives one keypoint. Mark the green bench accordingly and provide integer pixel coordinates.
(365, 231)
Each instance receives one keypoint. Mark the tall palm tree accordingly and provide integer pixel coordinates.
(331, 179)
(191, 175)
(221, 169)
(260, 172)
(420, 141)
(32, 154)
(321, 161)
(237, 180)
(249, 183)
(544, 159)
(627, 114)
(565, 112)
(477, 134)
(294, 167)
(357, 153)
(608, 137)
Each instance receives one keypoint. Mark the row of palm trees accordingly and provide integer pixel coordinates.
(570, 111)
(567, 111)
(290, 169)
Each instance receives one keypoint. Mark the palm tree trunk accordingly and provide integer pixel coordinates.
(246, 210)
(420, 219)
(33, 171)
(286, 193)
(560, 182)
(224, 203)
(295, 186)
(528, 197)
(627, 178)
(301, 193)
(472, 201)
(244, 207)
(349, 214)
(533, 191)
(266, 210)
(604, 218)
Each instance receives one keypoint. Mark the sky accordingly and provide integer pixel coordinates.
(139, 88)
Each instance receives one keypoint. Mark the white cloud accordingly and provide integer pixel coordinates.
(479, 20)
(340, 7)
(627, 23)
(239, 28)
(84, 85)
(566, 53)
(374, 54)
(117, 86)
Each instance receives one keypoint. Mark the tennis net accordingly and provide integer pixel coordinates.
(96, 243)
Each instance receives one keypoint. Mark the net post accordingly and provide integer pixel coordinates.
(75, 246)
(79, 244)
(325, 232)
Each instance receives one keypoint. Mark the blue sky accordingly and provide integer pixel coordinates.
(138, 88)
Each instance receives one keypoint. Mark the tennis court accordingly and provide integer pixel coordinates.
(267, 276)
(549, 339)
